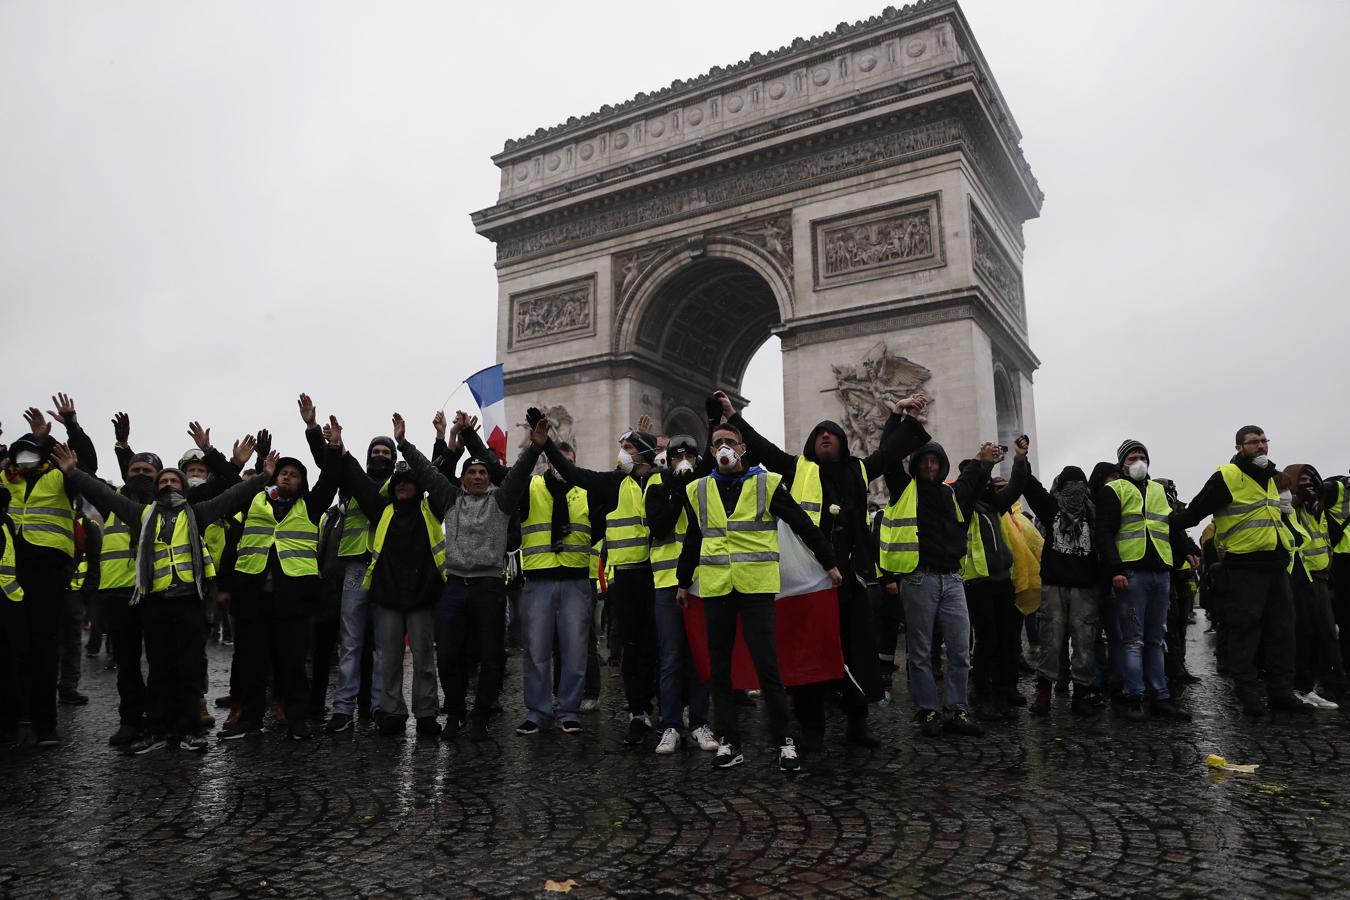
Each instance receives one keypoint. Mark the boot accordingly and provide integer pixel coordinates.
(207, 720)
(1168, 709)
(1082, 705)
(1041, 705)
(859, 735)
(233, 718)
(1132, 709)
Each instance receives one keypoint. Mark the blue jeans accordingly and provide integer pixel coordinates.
(552, 607)
(1141, 621)
(356, 612)
(929, 598)
(679, 680)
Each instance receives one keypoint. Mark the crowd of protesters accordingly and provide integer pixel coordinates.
(327, 577)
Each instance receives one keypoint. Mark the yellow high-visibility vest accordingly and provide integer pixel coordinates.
(536, 532)
(1143, 518)
(44, 518)
(435, 538)
(295, 536)
(1251, 521)
(740, 551)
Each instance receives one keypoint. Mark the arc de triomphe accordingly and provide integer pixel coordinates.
(859, 194)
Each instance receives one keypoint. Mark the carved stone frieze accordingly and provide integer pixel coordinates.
(993, 265)
(878, 243)
(843, 158)
(774, 235)
(557, 312)
(562, 425)
(867, 390)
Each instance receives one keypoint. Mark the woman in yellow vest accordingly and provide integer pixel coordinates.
(44, 549)
(732, 543)
(1258, 602)
(1134, 539)
(173, 568)
(1318, 652)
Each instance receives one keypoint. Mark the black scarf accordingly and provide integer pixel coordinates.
(145, 552)
(561, 525)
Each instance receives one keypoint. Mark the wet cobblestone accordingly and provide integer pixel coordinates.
(1037, 808)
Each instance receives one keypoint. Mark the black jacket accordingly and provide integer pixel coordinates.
(942, 536)
(1058, 568)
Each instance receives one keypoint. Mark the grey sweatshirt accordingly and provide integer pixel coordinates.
(475, 524)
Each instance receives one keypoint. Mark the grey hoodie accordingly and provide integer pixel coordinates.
(475, 524)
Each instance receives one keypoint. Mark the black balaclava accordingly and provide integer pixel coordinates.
(380, 469)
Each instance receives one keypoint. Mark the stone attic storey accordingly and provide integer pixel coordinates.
(860, 194)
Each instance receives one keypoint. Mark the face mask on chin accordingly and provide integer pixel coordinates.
(195, 481)
(1261, 461)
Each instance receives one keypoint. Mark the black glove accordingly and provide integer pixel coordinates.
(264, 446)
(533, 416)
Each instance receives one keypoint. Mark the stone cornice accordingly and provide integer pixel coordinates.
(947, 126)
(588, 369)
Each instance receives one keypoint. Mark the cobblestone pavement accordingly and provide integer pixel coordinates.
(1044, 808)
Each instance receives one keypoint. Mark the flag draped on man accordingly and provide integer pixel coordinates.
(489, 392)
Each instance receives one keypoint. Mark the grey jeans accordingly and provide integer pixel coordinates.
(1067, 613)
(71, 641)
(420, 626)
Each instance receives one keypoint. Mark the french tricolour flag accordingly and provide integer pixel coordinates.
(489, 392)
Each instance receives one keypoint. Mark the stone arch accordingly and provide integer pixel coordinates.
(704, 307)
(682, 419)
(1007, 409)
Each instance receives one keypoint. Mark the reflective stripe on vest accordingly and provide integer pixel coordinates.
(536, 532)
(296, 539)
(740, 552)
(81, 572)
(899, 538)
(666, 552)
(435, 538)
(1251, 521)
(806, 489)
(9, 575)
(1339, 512)
(1143, 518)
(1314, 551)
(626, 534)
(116, 560)
(173, 562)
(358, 532)
(45, 517)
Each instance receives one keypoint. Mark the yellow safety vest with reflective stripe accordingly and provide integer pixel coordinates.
(536, 532)
(899, 541)
(9, 575)
(45, 517)
(806, 489)
(1315, 551)
(595, 561)
(215, 535)
(1339, 512)
(1143, 518)
(81, 572)
(1251, 521)
(116, 560)
(295, 536)
(626, 534)
(975, 564)
(435, 538)
(666, 552)
(358, 532)
(740, 551)
(173, 561)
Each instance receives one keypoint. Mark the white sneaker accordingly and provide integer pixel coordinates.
(1319, 701)
(885, 699)
(754, 694)
(787, 757)
(703, 736)
(670, 741)
(590, 704)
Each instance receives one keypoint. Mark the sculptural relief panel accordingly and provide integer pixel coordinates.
(558, 312)
(878, 243)
(993, 265)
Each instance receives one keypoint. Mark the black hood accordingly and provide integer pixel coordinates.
(944, 465)
(809, 451)
(1100, 472)
(28, 442)
(292, 461)
(381, 439)
(1067, 475)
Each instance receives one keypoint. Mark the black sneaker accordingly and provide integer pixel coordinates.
(478, 732)
(49, 739)
(339, 723)
(73, 697)
(194, 744)
(528, 728)
(452, 727)
(857, 735)
(238, 730)
(391, 725)
(148, 743)
(960, 722)
(729, 755)
(787, 757)
(1168, 709)
(125, 735)
(930, 723)
(638, 729)
(299, 730)
(1132, 709)
(570, 726)
(427, 726)
(223, 702)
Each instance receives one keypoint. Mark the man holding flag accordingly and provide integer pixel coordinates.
(732, 542)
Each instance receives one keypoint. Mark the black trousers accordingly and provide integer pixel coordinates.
(997, 625)
(1340, 599)
(1174, 658)
(471, 622)
(265, 637)
(13, 672)
(124, 628)
(1318, 655)
(325, 638)
(174, 643)
(756, 614)
(1259, 618)
(633, 595)
(44, 589)
(70, 641)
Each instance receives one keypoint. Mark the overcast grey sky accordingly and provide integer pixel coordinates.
(205, 209)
